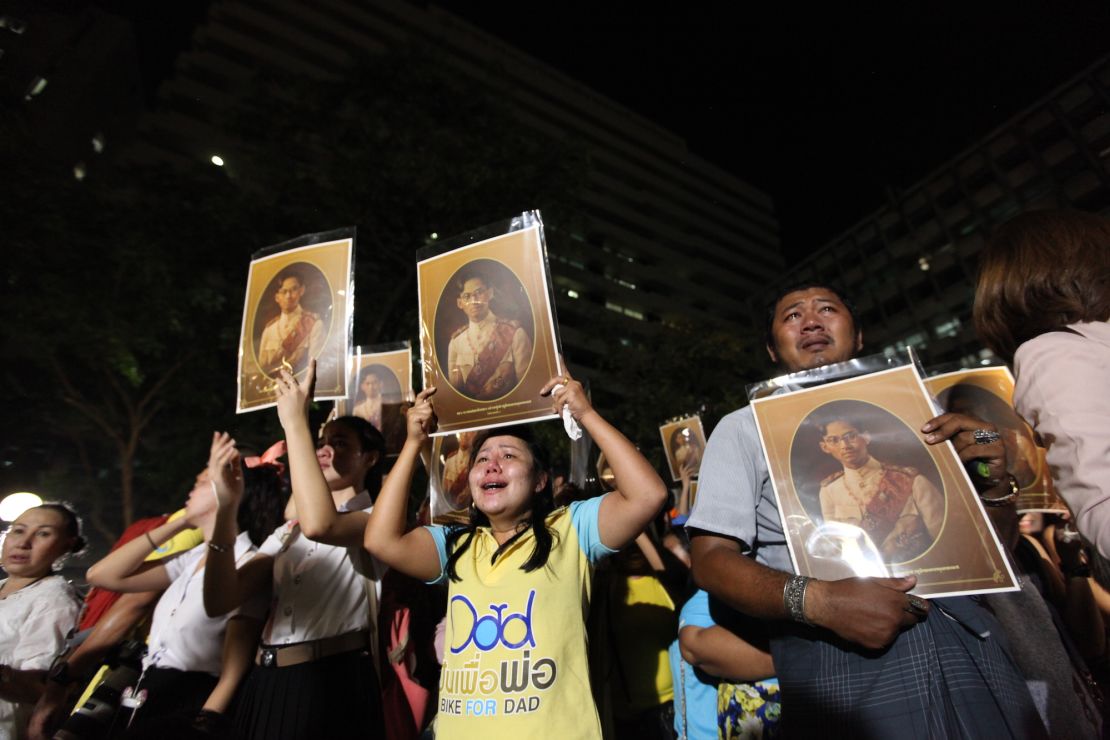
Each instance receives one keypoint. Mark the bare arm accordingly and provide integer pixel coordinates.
(240, 644)
(867, 611)
(225, 586)
(123, 568)
(722, 653)
(21, 687)
(316, 512)
(640, 491)
(413, 553)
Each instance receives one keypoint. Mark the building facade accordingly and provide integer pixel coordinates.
(911, 265)
(661, 236)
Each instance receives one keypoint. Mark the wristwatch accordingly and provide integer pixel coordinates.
(59, 671)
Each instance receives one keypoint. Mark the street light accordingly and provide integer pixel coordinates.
(16, 503)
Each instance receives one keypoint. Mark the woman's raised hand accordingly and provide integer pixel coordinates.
(420, 420)
(572, 394)
(225, 472)
(293, 398)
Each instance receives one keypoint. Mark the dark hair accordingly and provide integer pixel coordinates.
(72, 524)
(822, 423)
(543, 503)
(372, 441)
(772, 305)
(290, 272)
(471, 271)
(379, 372)
(1039, 272)
(262, 510)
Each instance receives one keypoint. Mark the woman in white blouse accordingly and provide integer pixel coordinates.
(314, 674)
(37, 607)
(194, 663)
(1043, 302)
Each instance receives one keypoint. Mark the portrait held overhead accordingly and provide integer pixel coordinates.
(683, 443)
(380, 386)
(298, 309)
(489, 339)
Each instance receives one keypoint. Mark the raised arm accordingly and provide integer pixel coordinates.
(225, 586)
(413, 553)
(125, 570)
(640, 491)
(315, 508)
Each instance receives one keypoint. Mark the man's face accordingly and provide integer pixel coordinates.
(812, 328)
(846, 444)
(474, 299)
(289, 294)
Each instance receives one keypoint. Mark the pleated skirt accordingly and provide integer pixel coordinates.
(336, 697)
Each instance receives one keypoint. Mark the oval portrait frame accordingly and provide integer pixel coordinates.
(318, 298)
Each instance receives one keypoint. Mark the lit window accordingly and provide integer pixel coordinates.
(98, 143)
(79, 171)
(35, 88)
(217, 160)
(948, 328)
(626, 284)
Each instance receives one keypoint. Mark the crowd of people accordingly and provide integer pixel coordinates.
(305, 599)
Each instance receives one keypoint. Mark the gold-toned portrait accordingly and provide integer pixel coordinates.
(380, 386)
(683, 446)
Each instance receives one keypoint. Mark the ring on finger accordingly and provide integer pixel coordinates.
(985, 436)
(916, 605)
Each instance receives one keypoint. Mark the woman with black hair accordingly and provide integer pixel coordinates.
(194, 662)
(515, 655)
(314, 674)
(38, 608)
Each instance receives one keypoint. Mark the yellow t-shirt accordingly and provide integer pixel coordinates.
(515, 657)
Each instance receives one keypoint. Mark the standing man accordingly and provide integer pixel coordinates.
(488, 355)
(857, 657)
(295, 336)
(897, 507)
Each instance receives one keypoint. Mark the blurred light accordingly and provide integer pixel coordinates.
(79, 171)
(572, 293)
(923, 263)
(217, 160)
(36, 87)
(341, 292)
(985, 362)
(98, 143)
(435, 235)
(15, 504)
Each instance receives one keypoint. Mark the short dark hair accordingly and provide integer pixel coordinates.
(471, 271)
(769, 325)
(822, 423)
(262, 510)
(290, 272)
(1039, 272)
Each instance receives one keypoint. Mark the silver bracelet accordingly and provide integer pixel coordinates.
(794, 598)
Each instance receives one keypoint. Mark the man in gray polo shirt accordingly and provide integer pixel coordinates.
(858, 657)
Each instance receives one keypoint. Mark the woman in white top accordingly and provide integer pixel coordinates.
(194, 663)
(37, 608)
(314, 674)
(1043, 302)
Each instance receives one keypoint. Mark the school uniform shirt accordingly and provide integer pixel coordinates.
(320, 590)
(182, 635)
(515, 659)
(34, 622)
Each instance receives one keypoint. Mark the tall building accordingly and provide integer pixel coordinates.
(911, 265)
(71, 79)
(665, 236)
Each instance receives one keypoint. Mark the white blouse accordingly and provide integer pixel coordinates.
(320, 590)
(182, 635)
(34, 622)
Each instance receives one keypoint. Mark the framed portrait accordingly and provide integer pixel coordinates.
(988, 394)
(488, 336)
(298, 307)
(683, 445)
(449, 477)
(861, 494)
(378, 390)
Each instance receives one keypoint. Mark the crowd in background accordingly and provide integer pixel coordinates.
(298, 594)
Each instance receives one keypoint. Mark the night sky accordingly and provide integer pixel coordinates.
(823, 110)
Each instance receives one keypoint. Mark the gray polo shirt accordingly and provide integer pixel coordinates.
(735, 497)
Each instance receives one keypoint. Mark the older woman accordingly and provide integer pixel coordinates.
(37, 607)
(1043, 302)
